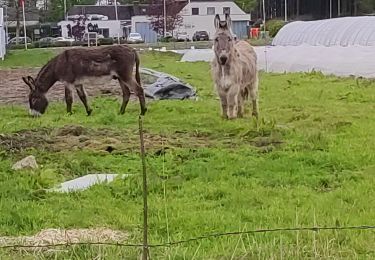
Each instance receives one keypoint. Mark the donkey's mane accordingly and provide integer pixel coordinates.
(46, 67)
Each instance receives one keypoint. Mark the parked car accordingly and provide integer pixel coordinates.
(21, 40)
(201, 36)
(45, 42)
(182, 36)
(64, 39)
(135, 38)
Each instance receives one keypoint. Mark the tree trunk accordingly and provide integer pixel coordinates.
(297, 9)
(17, 23)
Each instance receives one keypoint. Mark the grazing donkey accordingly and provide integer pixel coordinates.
(76, 67)
(234, 71)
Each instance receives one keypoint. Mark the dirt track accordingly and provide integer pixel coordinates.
(13, 90)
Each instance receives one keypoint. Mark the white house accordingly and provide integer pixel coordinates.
(2, 35)
(199, 15)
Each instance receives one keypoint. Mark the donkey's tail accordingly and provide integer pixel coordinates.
(137, 62)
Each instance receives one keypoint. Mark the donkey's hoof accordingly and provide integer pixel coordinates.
(143, 111)
(255, 114)
(89, 112)
(69, 113)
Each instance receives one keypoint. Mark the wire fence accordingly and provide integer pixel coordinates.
(195, 239)
(145, 245)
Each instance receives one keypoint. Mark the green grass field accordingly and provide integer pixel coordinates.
(309, 161)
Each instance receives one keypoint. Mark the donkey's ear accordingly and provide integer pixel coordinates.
(217, 21)
(28, 82)
(31, 80)
(229, 21)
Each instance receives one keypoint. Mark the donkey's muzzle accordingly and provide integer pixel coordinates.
(223, 60)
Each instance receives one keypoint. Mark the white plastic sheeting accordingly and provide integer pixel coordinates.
(2, 35)
(339, 61)
(345, 31)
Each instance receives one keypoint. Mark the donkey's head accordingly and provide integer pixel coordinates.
(37, 100)
(223, 41)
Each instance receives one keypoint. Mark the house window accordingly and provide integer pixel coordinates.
(210, 10)
(226, 10)
(195, 11)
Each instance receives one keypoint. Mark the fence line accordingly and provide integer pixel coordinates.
(145, 189)
(194, 239)
(145, 246)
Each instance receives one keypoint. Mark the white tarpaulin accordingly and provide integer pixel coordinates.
(340, 61)
(2, 35)
(345, 31)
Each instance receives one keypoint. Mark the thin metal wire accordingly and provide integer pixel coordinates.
(208, 236)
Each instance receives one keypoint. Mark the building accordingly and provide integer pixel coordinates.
(198, 15)
(120, 20)
(110, 20)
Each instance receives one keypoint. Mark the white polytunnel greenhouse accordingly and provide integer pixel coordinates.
(345, 31)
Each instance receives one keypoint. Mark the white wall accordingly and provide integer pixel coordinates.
(114, 27)
(139, 19)
(201, 22)
(205, 22)
(2, 35)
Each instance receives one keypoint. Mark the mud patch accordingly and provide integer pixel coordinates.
(14, 91)
(75, 137)
(48, 237)
(72, 137)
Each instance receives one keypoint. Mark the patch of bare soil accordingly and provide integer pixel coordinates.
(72, 137)
(50, 237)
(14, 90)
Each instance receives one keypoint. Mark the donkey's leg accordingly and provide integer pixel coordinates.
(125, 96)
(254, 100)
(233, 95)
(138, 90)
(83, 97)
(224, 103)
(240, 106)
(68, 99)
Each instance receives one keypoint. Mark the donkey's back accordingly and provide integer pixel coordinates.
(76, 64)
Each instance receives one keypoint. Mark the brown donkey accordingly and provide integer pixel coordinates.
(76, 67)
(234, 71)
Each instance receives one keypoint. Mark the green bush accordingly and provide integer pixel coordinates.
(61, 44)
(106, 41)
(273, 26)
(20, 46)
(167, 39)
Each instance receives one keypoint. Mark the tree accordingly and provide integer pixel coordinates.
(156, 12)
(367, 6)
(247, 5)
